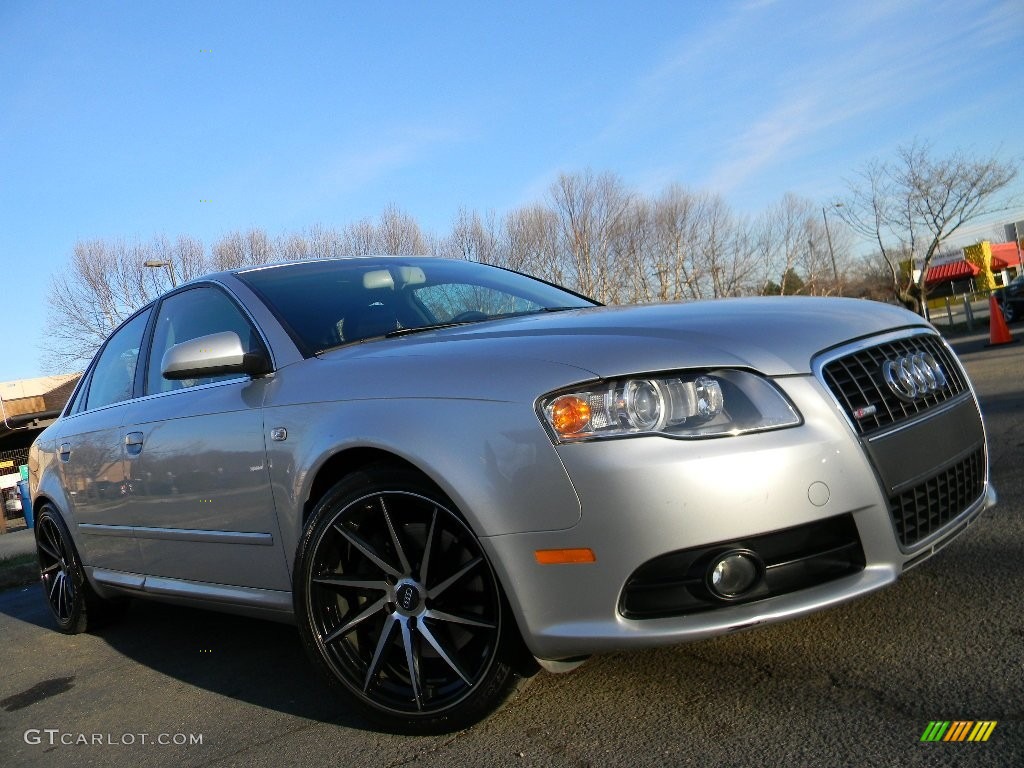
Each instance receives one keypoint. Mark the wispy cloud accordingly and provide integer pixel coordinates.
(372, 159)
(885, 63)
(765, 84)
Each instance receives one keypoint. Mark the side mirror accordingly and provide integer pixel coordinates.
(212, 355)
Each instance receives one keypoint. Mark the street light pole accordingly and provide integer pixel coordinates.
(155, 263)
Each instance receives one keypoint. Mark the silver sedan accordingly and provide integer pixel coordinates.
(447, 474)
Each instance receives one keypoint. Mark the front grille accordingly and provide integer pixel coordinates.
(856, 382)
(920, 511)
(675, 584)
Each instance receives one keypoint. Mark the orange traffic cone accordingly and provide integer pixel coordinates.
(998, 332)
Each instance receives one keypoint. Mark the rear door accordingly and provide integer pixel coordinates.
(90, 448)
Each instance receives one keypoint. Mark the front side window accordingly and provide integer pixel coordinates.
(113, 376)
(188, 315)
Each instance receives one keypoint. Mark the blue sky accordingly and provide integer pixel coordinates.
(117, 119)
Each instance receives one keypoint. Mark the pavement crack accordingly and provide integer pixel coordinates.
(880, 697)
(258, 744)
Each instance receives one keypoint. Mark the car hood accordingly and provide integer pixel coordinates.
(777, 336)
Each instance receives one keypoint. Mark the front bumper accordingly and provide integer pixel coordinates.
(645, 497)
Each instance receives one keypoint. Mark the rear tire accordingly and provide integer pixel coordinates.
(399, 608)
(73, 603)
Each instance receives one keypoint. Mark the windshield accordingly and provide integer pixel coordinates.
(325, 304)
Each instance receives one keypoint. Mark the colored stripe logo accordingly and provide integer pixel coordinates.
(958, 730)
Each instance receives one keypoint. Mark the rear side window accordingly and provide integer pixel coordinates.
(113, 376)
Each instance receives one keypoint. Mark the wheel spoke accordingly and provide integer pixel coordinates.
(413, 661)
(54, 589)
(440, 588)
(45, 547)
(428, 547)
(367, 550)
(358, 582)
(424, 630)
(406, 569)
(386, 633)
(353, 623)
(54, 542)
(59, 596)
(456, 619)
(66, 592)
(50, 568)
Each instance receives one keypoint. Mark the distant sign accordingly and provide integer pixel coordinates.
(24, 471)
(6, 464)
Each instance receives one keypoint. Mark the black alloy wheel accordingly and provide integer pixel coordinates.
(398, 605)
(73, 603)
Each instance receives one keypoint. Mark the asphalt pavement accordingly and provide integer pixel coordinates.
(853, 686)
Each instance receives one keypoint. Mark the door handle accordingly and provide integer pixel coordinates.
(65, 451)
(133, 443)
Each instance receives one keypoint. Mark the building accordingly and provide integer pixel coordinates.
(26, 408)
(983, 266)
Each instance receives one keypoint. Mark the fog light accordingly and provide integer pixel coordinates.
(733, 573)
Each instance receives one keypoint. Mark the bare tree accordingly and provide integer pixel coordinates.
(590, 208)
(671, 271)
(531, 243)
(399, 234)
(911, 205)
(784, 239)
(104, 283)
(242, 249)
(474, 239)
(359, 239)
(292, 246)
(726, 250)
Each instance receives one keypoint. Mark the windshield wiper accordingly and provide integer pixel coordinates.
(421, 328)
(436, 326)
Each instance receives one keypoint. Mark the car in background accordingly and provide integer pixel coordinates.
(1011, 299)
(448, 474)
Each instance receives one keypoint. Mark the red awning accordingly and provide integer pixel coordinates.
(1005, 255)
(957, 270)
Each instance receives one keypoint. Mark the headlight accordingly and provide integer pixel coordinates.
(693, 405)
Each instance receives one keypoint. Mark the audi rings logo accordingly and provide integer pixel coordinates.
(911, 377)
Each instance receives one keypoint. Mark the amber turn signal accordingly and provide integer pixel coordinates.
(569, 414)
(562, 556)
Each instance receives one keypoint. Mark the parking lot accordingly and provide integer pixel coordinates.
(856, 685)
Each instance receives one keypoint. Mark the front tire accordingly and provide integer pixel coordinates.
(73, 603)
(1009, 314)
(399, 608)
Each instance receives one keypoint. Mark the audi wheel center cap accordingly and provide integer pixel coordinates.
(407, 597)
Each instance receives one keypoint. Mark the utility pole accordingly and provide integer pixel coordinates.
(831, 253)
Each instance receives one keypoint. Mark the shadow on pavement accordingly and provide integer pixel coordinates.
(254, 661)
(259, 662)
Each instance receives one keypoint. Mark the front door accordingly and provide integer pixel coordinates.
(196, 460)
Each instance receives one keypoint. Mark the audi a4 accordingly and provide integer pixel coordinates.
(449, 475)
